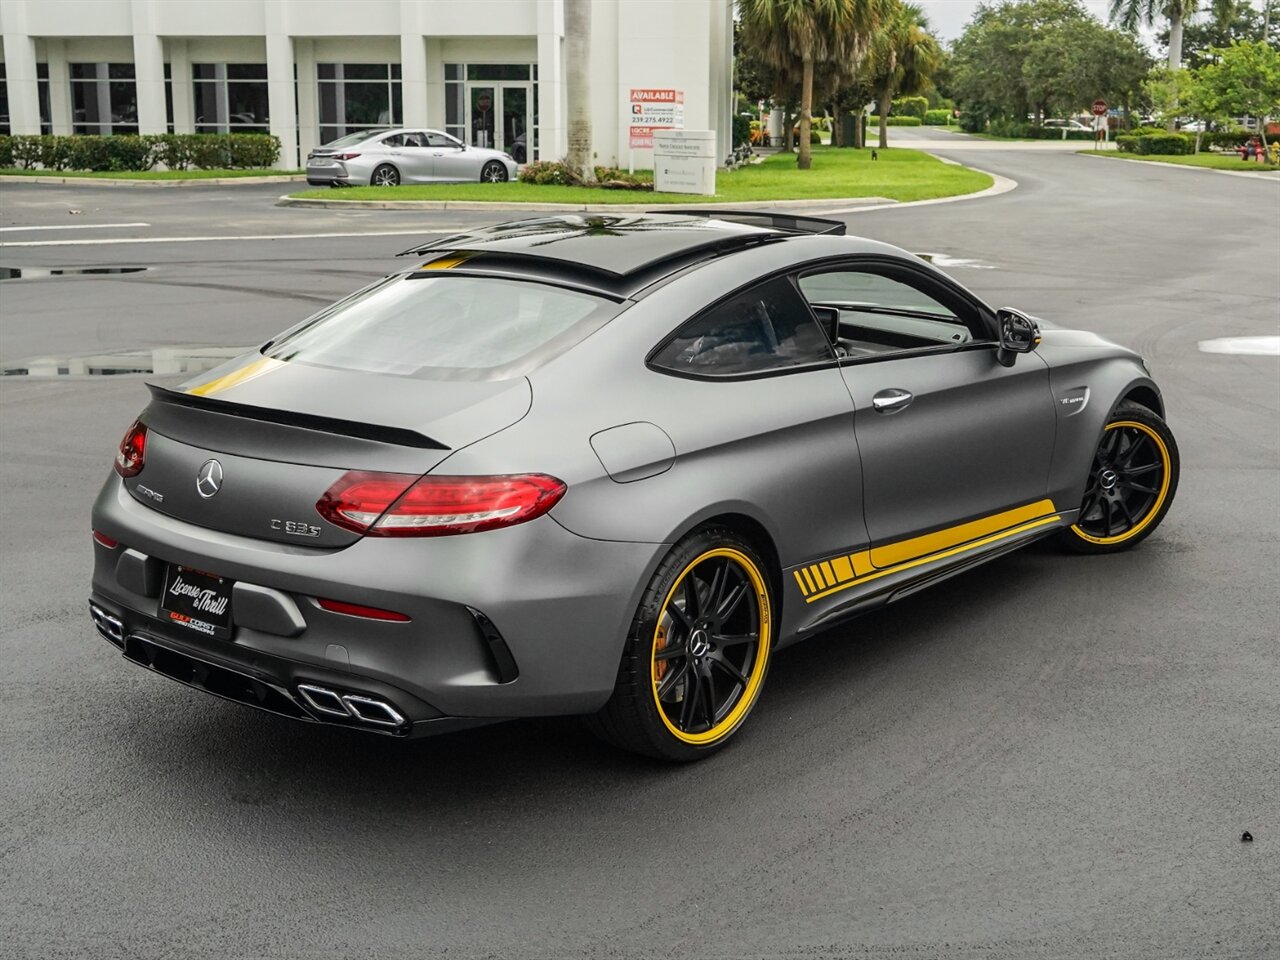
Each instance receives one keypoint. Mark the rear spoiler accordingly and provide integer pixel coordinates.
(306, 421)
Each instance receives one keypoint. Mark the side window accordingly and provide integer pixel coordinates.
(395, 140)
(867, 314)
(767, 327)
(412, 139)
(440, 140)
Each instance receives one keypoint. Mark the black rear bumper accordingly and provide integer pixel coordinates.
(270, 683)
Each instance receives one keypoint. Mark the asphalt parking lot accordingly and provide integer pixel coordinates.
(1048, 757)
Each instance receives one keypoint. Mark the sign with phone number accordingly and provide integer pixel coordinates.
(651, 109)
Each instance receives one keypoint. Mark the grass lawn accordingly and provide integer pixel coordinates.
(836, 172)
(146, 174)
(1213, 161)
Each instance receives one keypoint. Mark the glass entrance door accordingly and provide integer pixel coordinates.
(499, 117)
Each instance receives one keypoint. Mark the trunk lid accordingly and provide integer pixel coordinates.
(282, 433)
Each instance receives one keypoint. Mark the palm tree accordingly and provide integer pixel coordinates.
(577, 42)
(803, 34)
(1130, 14)
(903, 60)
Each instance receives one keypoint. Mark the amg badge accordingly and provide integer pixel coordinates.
(296, 528)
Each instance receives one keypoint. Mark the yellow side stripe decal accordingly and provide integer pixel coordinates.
(893, 554)
(839, 573)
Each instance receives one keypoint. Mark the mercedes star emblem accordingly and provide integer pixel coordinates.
(209, 479)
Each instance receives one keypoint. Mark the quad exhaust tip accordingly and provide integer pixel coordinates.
(109, 626)
(371, 710)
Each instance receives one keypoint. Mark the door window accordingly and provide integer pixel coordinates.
(868, 313)
(440, 140)
(765, 328)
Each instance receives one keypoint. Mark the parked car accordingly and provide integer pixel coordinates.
(605, 465)
(388, 158)
(1066, 125)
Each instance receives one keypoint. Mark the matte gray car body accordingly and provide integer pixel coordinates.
(801, 462)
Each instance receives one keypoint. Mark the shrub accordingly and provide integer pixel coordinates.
(1156, 144)
(612, 178)
(874, 121)
(911, 107)
(547, 172)
(937, 118)
(6, 150)
(133, 152)
(741, 129)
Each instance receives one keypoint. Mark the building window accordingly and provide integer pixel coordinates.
(104, 98)
(42, 96)
(230, 97)
(357, 96)
(4, 103)
(493, 105)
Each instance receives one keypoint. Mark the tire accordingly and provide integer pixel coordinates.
(682, 692)
(494, 172)
(385, 175)
(1131, 485)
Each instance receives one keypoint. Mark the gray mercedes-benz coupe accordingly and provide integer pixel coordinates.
(608, 466)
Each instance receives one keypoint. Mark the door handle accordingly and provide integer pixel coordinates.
(892, 400)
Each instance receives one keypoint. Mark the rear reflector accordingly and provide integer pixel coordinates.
(394, 505)
(358, 610)
(131, 457)
(106, 541)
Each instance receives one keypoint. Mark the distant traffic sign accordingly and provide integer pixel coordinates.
(1099, 108)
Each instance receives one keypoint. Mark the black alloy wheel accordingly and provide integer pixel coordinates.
(698, 651)
(494, 172)
(1131, 483)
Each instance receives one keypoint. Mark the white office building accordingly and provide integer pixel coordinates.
(491, 72)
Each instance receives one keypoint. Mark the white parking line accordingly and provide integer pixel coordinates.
(262, 236)
(1247, 346)
(75, 226)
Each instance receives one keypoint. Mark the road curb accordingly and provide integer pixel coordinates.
(287, 201)
(116, 182)
(1272, 175)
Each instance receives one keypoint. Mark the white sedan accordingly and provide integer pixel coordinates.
(388, 158)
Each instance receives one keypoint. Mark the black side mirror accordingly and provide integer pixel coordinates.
(1018, 334)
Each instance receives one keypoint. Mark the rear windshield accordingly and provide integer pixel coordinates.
(446, 328)
(351, 139)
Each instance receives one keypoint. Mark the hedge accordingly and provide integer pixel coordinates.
(911, 107)
(937, 118)
(1156, 144)
(176, 151)
(874, 121)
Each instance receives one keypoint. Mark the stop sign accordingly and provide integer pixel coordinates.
(1099, 108)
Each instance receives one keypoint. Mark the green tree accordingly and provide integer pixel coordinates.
(1166, 91)
(797, 36)
(902, 60)
(1071, 64)
(1244, 81)
(988, 75)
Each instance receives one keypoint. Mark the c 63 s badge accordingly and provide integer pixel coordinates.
(296, 528)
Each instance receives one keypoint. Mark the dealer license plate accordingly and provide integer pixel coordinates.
(197, 600)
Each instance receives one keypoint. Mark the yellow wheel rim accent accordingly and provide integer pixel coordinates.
(1163, 492)
(759, 661)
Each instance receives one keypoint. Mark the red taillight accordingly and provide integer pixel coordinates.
(394, 505)
(345, 156)
(106, 541)
(131, 456)
(359, 610)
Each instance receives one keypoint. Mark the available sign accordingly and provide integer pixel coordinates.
(651, 109)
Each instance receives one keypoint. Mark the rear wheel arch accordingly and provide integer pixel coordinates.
(756, 534)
